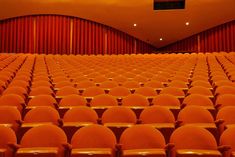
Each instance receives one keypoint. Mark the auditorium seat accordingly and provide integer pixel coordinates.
(41, 90)
(199, 100)
(227, 144)
(41, 100)
(22, 92)
(101, 102)
(201, 90)
(12, 100)
(226, 116)
(65, 91)
(157, 85)
(168, 101)
(224, 90)
(95, 140)
(10, 117)
(43, 141)
(78, 117)
(159, 117)
(173, 91)
(136, 102)
(142, 140)
(71, 101)
(119, 92)
(7, 137)
(225, 100)
(118, 118)
(193, 141)
(198, 116)
(40, 83)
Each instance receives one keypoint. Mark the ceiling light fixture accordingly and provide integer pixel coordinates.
(135, 25)
(187, 23)
(160, 39)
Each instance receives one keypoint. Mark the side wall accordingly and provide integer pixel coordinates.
(219, 38)
(57, 34)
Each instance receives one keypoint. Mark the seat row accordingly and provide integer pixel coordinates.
(97, 140)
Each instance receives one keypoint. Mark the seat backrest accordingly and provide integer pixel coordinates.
(200, 90)
(73, 100)
(44, 136)
(227, 138)
(12, 100)
(190, 114)
(225, 100)
(135, 100)
(172, 91)
(9, 114)
(119, 114)
(165, 100)
(108, 84)
(94, 136)
(7, 135)
(154, 84)
(49, 115)
(146, 91)
(131, 84)
(142, 137)
(156, 114)
(227, 114)
(119, 91)
(81, 114)
(93, 91)
(198, 100)
(225, 90)
(41, 90)
(67, 90)
(42, 100)
(104, 100)
(193, 137)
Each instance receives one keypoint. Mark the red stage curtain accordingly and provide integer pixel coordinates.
(219, 38)
(56, 34)
(16, 35)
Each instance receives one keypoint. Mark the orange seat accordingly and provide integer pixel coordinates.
(16, 90)
(200, 90)
(173, 91)
(142, 140)
(7, 136)
(42, 100)
(9, 117)
(119, 91)
(44, 140)
(169, 101)
(146, 91)
(94, 139)
(93, 91)
(41, 90)
(12, 100)
(118, 118)
(226, 115)
(227, 140)
(78, 117)
(159, 117)
(193, 141)
(225, 100)
(66, 90)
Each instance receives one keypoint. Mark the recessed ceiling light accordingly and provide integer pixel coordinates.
(187, 23)
(135, 25)
(160, 39)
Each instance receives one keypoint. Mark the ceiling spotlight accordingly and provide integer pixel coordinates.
(187, 23)
(135, 25)
(160, 39)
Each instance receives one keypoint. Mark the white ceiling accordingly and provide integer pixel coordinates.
(122, 14)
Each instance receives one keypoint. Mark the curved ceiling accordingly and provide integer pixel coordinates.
(122, 14)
